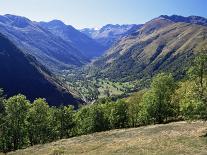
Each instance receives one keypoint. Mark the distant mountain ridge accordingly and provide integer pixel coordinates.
(56, 45)
(52, 51)
(109, 33)
(87, 46)
(191, 19)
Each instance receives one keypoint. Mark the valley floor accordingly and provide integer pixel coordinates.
(166, 139)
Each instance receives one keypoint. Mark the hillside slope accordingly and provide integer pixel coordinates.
(87, 46)
(170, 139)
(162, 44)
(52, 51)
(22, 73)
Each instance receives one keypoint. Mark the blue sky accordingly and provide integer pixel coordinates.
(96, 13)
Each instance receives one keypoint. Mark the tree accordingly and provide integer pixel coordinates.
(64, 118)
(157, 100)
(134, 108)
(198, 74)
(190, 107)
(39, 122)
(15, 128)
(90, 119)
(118, 116)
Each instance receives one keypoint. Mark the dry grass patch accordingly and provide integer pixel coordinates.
(171, 139)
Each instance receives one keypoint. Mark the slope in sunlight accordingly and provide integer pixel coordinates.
(175, 138)
(162, 44)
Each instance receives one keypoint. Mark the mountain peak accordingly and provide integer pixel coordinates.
(56, 22)
(18, 21)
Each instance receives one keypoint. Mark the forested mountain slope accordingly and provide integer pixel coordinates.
(162, 44)
(22, 73)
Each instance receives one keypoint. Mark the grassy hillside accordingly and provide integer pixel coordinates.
(174, 138)
(161, 45)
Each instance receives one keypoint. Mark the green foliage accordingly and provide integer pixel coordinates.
(157, 100)
(14, 130)
(118, 114)
(90, 119)
(64, 119)
(135, 109)
(23, 124)
(192, 94)
(38, 122)
(185, 96)
(198, 73)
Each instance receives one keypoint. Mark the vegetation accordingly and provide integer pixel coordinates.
(92, 88)
(23, 123)
(169, 47)
(157, 101)
(177, 138)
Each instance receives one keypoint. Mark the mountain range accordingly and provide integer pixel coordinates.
(164, 44)
(109, 34)
(34, 56)
(56, 45)
(87, 46)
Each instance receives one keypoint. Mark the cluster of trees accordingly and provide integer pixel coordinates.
(23, 123)
(168, 100)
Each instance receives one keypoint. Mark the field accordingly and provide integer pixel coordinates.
(90, 89)
(179, 138)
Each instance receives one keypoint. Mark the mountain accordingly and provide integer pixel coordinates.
(52, 51)
(162, 44)
(191, 19)
(89, 47)
(22, 73)
(108, 34)
(89, 31)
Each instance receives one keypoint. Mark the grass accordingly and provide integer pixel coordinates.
(114, 88)
(88, 87)
(179, 138)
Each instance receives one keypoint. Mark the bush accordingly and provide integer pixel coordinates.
(157, 105)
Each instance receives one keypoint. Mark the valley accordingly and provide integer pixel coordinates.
(113, 61)
(160, 45)
(142, 86)
(91, 89)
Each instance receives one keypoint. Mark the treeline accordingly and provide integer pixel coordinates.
(23, 124)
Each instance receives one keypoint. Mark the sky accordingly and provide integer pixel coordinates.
(96, 13)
